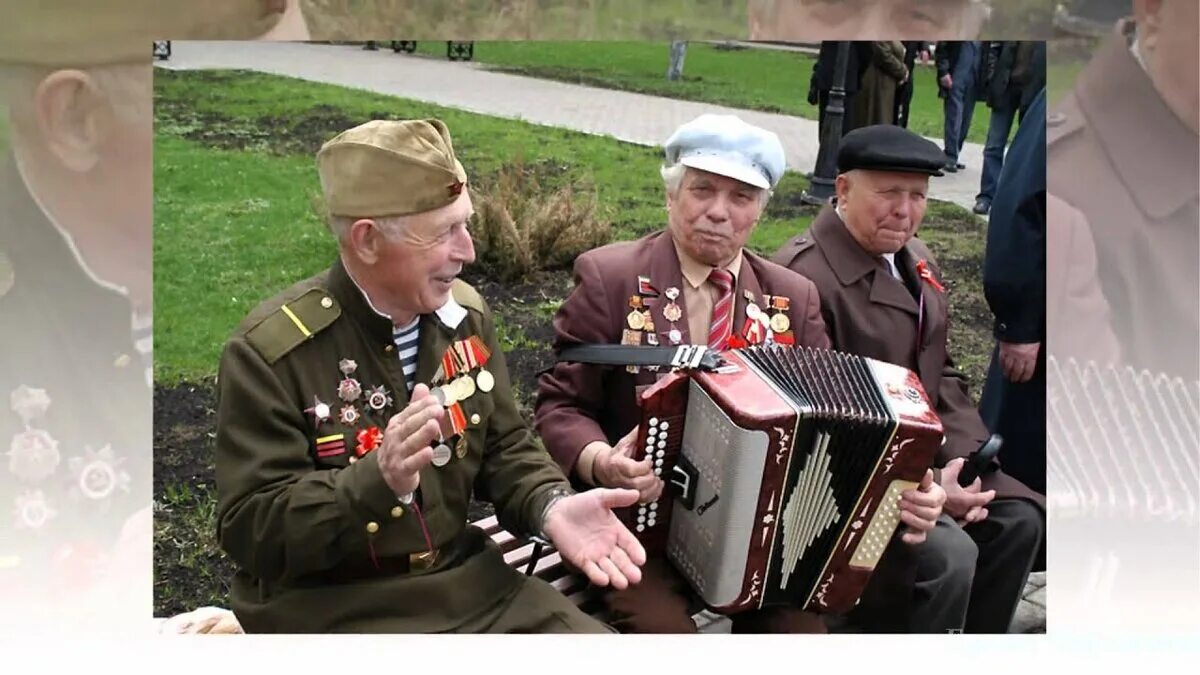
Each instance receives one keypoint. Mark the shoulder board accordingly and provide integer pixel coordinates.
(295, 322)
(465, 295)
(792, 249)
(1063, 120)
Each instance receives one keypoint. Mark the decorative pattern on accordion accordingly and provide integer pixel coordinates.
(779, 470)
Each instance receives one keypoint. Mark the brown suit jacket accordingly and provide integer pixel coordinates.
(1117, 154)
(868, 312)
(581, 403)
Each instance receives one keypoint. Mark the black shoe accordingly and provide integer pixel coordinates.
(982, 207)
(960, 165)
(950, 167)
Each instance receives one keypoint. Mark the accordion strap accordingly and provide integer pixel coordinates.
(694, 357)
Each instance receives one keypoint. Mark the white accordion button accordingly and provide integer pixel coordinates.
(641, 528)
(653, 506)
(662, 445)
(658, 471)
(666, 425)
(653, 422)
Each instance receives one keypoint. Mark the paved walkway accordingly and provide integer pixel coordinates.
(637, 118)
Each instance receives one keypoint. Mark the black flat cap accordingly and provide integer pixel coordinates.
(884, 147)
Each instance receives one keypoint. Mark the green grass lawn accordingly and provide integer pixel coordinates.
(528, 19)
(758, 79)
(236, 185)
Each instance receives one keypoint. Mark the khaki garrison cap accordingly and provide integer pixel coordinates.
(390, 168)
(81, 33)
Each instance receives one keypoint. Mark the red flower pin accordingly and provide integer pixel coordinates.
(368, 440)
(927, 274)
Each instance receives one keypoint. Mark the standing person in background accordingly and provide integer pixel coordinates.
(905, 93)
(885, 72)
(957, 69)
(1016, 72)
(1013, 403)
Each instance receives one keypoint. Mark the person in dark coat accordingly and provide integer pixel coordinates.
(1015, 73)
(905, 93)
(821, 83)
(958, 72)
(882, 296)
(1014, 282)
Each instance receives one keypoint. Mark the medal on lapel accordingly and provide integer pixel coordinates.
(379, 399)
(673, 313)
(780, 323)
(320, 411)
(348, 389)
(754, 330)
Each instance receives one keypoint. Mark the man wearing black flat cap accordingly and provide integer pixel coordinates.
(883, 297)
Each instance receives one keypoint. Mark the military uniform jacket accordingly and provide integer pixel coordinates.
(320, 541)
(1118, 155)
(870, 313)
(580, 403)
(75, 414)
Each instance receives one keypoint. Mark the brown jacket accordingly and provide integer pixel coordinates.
(1117, 154)
(870, 313)
(580, 403)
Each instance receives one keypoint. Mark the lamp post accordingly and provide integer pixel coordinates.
(821, 188)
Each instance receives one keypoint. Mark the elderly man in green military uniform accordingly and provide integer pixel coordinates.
(360, 409)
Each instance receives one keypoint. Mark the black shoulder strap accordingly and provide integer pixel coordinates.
(694, 357)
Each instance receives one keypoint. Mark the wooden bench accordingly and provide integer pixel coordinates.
(549, 567)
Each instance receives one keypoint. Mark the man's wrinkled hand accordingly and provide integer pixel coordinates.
(589, 536)
(614, 467)
(405, 448)
(966, 505)
(920, 508)
(1019, 360)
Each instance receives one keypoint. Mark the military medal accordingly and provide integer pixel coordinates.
(636, 320)
(780, 323)
(485, 380)
(320, 410)
(368, 439)
(349, 390)
(466, 387)
(644, 288)
(672, 312)
(460, 448)
(652, 339)
(349, 415)
(97, 473)
(631, 337)
(441, 455)
(379, 398)
(675, 336)
(32, 510)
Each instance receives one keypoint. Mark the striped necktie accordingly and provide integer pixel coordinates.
(722, 319)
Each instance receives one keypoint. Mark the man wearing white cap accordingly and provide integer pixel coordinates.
(692, 283)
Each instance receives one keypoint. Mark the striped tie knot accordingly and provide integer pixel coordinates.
(722, 319)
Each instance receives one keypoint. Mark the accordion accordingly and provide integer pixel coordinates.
(783, 470)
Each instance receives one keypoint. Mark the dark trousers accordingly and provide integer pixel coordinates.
(966, 579)
(662, 602)
(999, 127)
(1008, 542)
(903, 103)
(959, 103)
